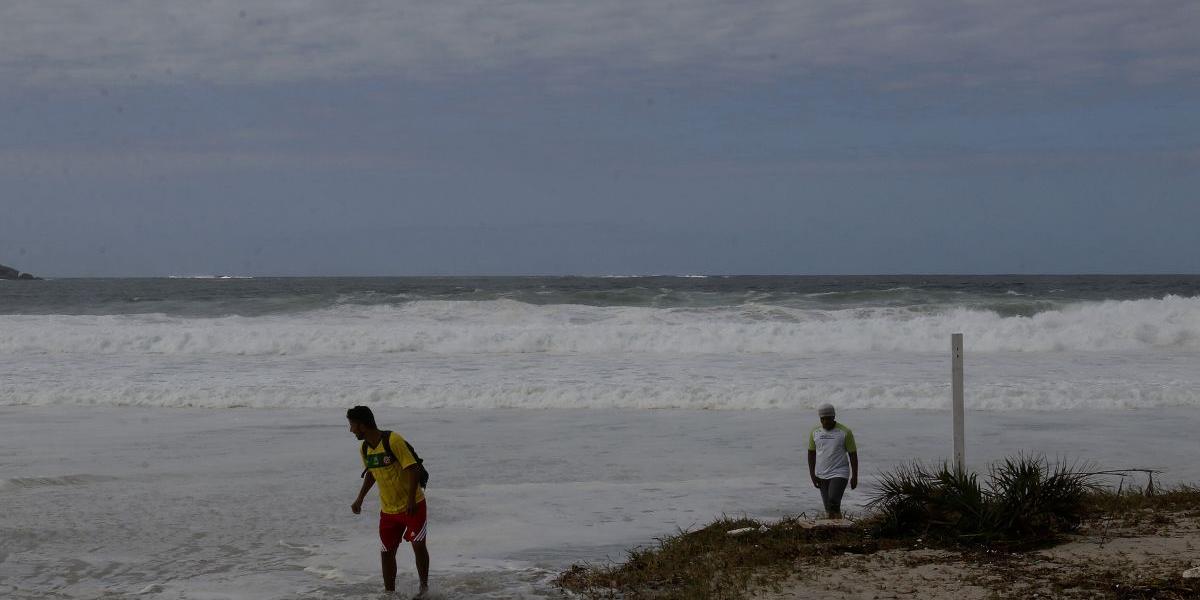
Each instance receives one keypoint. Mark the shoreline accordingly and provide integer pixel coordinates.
(1128, 545)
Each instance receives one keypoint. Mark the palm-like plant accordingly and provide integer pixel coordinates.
(1024, 501)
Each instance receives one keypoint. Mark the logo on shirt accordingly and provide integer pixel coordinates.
(377, 461)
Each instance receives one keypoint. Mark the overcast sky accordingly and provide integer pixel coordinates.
(599, 137)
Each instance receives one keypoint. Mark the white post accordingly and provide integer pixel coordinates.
(956, 350)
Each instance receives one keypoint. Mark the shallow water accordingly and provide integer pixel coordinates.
(248, 503)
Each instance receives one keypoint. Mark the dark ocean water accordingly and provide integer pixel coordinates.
(1009, 295)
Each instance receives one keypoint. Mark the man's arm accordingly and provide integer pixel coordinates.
(414, 480)
(853, 470)
(812, 467)
(368, 481)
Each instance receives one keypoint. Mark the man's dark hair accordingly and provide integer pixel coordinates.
(362, 415)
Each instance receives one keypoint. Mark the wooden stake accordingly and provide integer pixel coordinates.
(956, 351)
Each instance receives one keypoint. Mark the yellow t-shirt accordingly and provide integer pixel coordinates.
(391, 479)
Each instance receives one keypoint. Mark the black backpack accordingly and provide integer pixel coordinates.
(387, 449)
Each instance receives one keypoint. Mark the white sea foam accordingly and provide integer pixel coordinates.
(505, 326)
(507, 354)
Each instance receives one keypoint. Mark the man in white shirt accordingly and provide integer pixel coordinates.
(832, 460)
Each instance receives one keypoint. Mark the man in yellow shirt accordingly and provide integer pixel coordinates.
(390, 462)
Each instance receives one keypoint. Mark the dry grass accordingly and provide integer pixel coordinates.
(1135, 507)
(710, 563)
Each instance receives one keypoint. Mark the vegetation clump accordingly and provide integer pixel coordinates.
(1023, 502)
(712, 563)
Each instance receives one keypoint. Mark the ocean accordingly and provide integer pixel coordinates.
(185, 437)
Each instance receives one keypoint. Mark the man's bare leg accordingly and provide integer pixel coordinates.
(421, 553)
(389, 570)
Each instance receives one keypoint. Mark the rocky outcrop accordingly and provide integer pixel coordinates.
(11, 273)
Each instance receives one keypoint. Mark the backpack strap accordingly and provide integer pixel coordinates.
(423, 473)
(363, 451)
(387, 447)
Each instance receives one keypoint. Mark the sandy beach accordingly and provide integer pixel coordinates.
(1106, 559)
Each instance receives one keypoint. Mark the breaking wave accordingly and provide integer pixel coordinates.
(506, 326)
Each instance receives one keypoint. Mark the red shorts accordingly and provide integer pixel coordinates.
(396, 528)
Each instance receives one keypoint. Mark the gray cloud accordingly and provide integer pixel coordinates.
(891, 44)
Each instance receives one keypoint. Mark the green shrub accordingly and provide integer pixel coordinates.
(1025, 501)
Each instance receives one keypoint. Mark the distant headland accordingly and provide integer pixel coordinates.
(11, 273)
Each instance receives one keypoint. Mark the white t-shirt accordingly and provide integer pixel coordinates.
(833, 448)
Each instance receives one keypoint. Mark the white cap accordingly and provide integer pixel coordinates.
(825, 410)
